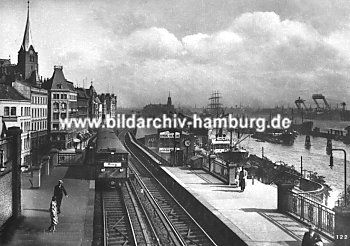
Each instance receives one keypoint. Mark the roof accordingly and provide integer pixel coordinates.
(9, 93)
(27, 83)
(5, 62)
(81, 93)
(58, 81)
(108, 141)
(97, 100)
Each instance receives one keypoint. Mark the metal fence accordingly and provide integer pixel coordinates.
(69, 158)
(312, 212)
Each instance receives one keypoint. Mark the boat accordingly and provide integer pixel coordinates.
(284, 137)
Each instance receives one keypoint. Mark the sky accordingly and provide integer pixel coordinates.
(255, 52)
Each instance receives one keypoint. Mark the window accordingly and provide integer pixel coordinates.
(13, 111)
(56, 96)
(63, 105)
(55, 126)
(55, 116)
(63, 96)
(63, 116)
(7, 111)
(56, 106)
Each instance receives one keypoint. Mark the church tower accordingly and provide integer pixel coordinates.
(169, 103)
(27, 57)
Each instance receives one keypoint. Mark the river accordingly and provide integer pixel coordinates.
(314, 159)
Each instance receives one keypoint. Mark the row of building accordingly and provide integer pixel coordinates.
(36, 105)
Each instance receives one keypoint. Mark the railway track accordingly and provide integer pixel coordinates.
(185, 228)
(125, 222)
(117, 223)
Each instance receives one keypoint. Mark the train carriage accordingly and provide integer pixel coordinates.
(111, 159)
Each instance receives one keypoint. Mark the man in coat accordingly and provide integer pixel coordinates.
(242, 178)
(58, 193)
(311, 238)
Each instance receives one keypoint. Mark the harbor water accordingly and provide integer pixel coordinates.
(314, 159)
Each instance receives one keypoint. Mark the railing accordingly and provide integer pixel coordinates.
(311, 212)
(69, 158)
(216, 168)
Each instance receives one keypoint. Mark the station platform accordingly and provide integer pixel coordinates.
(75, 223)
(252, 215)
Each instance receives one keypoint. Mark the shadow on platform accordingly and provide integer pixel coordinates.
(258, 210)
(238, 191)
(7, 234)
(82, 172)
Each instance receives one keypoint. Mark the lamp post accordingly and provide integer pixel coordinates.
(331, 166)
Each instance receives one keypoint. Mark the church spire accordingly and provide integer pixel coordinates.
(27, 38)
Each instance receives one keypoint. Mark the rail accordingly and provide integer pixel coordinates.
(116, 219)
(176, 237)
(105, 233)
(150, 152)
(148, 219)
(129, 219)
(312, 212)
(177, 203)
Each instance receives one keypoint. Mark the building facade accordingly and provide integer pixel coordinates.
(7, 71)
(16, 112)
(62, 103)
(83, 103)
(109, 105)
(38, 130)
(93, 102)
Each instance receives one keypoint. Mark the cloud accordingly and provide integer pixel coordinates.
(252, 51)
(154, 43)
(258, 59)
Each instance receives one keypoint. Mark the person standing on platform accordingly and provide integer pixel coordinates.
(58, 193)
(242, 178)
(53, 214)
(311, 238)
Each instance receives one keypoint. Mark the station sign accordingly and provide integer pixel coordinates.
(168, 134)
(167, 150)
(112, 164)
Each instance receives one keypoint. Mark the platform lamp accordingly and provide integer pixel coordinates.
(331, 164)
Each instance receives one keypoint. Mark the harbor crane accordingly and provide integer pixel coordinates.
(300, 103)
(317, 97)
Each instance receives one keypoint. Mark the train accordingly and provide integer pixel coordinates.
(111, 159)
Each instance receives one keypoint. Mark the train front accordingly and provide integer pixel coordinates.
(111, 160)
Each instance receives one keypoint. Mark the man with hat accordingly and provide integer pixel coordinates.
(311, 238)
(58, 193)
